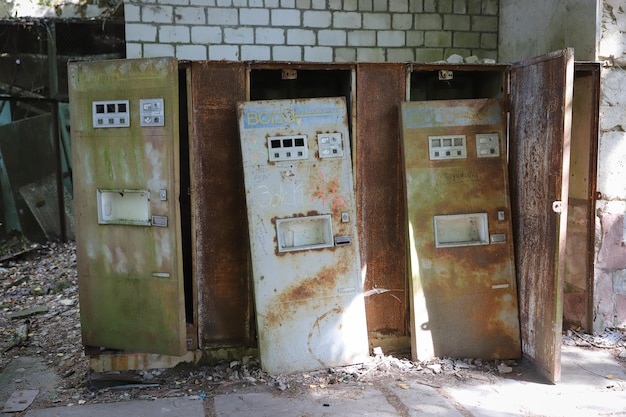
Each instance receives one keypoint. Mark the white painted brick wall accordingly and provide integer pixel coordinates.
(205, 3)
(331, 37)
(132, 13)
(287, 53)
(318, 54)
(255, 17)
(402, 21)
(224, 52)
(345, 54)
(138, 32)
(239, 36)
(268, 36)
(189, 16)
(255, 53)
(391, 38)
(312, 30)
(376, 21)
(347, 20)
(222, 17)
(362, 38)
(151, 50)
(282, 17)
(317, 19)
(370, 55)
(157, 14)
(206, 35)
(191, 52)
(399, 6)
(301, 37)
(174, 34)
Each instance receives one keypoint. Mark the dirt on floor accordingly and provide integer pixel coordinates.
(40, 347)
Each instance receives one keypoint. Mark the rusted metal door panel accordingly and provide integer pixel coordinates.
(380, 197)
(462, 275)
(126, 201)
(302, 227)
(541, 108)
(218, 204)
(578, 291)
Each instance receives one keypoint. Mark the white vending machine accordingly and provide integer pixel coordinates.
(303, 237)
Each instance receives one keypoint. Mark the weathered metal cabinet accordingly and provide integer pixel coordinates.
(460, 231)
(209, 256)
(124, 124)
(302, 224)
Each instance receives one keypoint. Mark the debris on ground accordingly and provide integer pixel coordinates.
(611, 338)
(39, 317)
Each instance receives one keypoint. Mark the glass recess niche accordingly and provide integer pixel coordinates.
(461, 230)
(128, 207)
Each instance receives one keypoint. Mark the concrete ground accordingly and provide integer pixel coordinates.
(593, 384)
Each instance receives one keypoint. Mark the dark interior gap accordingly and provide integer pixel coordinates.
(268, 84)
(185, 197)
(428, 85)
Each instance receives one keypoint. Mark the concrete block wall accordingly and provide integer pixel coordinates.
(610, 272)
(312, 30)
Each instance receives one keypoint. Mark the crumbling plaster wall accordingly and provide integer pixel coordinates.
(535, 27)
(610, 272)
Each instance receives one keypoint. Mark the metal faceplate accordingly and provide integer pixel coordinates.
(305, 256)
(464, 295)
(128, 253)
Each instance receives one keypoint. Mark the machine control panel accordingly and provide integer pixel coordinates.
(110, 113)
(487, 145)
(330, 145)
(447, 147)
(151, 112)
(287, 148)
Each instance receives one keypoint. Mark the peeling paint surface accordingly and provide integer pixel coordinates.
(464, 293)
(540, 148)
(308, 289)
(130, 276)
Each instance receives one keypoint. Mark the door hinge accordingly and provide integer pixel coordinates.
(557, 206)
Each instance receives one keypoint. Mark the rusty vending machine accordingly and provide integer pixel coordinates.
(463, 288)
(301, 215)
(125, 143)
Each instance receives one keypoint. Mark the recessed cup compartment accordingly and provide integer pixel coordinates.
(304, 233)
(461, 230)
(129, 207)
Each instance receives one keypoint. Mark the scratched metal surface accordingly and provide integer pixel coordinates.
(129, 277)
(540, 110)
(221, 258)
(464, 299)
(309, 302)
(381, 87)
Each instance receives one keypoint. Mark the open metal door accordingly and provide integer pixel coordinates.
(541, 109)
(124, 119)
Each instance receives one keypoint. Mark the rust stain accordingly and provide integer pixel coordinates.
(310, 287)
(305, 294)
